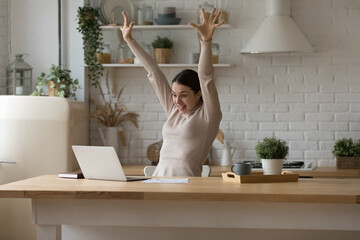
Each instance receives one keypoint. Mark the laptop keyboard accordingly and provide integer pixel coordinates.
(136, 178)
(289, 164)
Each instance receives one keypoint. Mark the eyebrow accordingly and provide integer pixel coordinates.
(180, 92)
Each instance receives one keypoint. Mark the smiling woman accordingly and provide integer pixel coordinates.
(186, 91)
(191, 104)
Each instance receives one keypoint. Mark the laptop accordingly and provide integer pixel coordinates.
(101, 163)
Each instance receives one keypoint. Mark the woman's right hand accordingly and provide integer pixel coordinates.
(208, 26)
(127, 28)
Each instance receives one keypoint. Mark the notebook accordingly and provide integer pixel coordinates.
(101, 163)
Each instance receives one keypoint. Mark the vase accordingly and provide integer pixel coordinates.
(272, 166)
(227, 155)
(115, 137)
(111, 138)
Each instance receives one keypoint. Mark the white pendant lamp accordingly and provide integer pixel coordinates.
(278, 33)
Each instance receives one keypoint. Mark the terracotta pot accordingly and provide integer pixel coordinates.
(52, 91)
(162, 55)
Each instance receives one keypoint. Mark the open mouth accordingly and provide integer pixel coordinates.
(181, 108)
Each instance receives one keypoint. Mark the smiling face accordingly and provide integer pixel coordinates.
(184, 98)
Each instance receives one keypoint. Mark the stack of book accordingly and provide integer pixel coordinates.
(74, 174)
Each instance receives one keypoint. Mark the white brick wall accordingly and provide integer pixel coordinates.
(4, 54)
(309, 99)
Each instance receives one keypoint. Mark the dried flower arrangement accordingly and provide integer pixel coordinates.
(226, 138)
(220, 136)
(111, 114)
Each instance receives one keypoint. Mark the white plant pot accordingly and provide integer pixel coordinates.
(272, 166)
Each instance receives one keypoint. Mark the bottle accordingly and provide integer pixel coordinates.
(124, 54)
(215, 53)
(207, 8)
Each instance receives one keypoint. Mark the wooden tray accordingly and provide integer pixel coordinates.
(232, 177)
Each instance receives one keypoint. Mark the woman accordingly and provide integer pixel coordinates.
(191, 105)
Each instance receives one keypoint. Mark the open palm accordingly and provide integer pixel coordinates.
(208, 26)
(127, 28)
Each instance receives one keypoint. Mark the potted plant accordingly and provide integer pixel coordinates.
(111, 114)
(347, 153)
(58, 82)
(272, 152)
(89, 27)
(162, 49)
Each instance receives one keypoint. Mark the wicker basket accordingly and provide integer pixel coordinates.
(162, 55)
(348, 162)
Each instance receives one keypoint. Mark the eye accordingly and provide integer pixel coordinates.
(183, 95)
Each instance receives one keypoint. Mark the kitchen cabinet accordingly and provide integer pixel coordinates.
(36, 138)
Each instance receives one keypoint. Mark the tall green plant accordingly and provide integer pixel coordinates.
(89, 27)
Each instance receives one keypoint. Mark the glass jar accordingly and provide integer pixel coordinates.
(207, 8)
(145, 15)
(224, 16)
(215, 53)
(124, 55)
(105, 55)
(148, 15)
(139, 15)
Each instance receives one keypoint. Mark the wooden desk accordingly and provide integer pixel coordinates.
(205, 208)
(332, 172)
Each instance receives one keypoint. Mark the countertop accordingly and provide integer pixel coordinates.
(333, 172)
(318, 190)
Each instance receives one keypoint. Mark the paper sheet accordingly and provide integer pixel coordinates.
(167, 180)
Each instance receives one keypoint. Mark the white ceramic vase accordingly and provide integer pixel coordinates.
(272, 166)
(227, 155)
(111, 137)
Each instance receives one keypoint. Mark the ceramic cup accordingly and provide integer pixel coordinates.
(194, 58)
(241, 168)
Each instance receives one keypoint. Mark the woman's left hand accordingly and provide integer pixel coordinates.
(207, 28)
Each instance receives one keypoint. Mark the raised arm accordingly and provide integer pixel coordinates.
(155, 75)
(206, 69)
